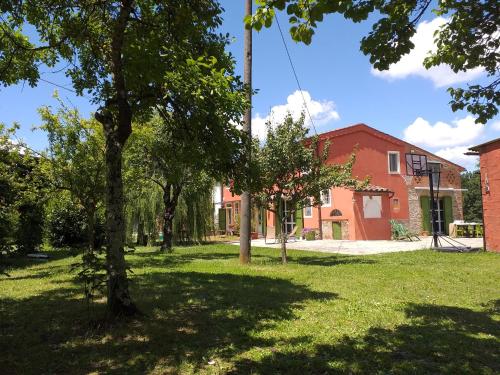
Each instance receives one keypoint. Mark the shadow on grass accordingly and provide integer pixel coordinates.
(439, 340)
(332, 260)
(179, 257)
(190, 318)
(16, 261)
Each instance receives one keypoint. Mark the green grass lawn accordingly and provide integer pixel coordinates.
(412, 312)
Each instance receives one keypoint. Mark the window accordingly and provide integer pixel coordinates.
(393, 161)
(236, 208)
(396, 207)
(435, 167)
(372, 206)
(326, 198)
(308, 210)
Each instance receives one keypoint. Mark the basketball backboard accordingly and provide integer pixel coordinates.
(416, 165)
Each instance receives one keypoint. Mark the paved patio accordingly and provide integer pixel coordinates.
(362, 247)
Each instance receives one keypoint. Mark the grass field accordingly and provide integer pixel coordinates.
(416, 312)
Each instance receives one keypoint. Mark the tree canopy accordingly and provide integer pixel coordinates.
(118, 53)
(469, 39)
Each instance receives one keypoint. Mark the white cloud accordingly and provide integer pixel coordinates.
(411, 64)
(457, 156)
(461, 132)
(321, 112)
(496, 125)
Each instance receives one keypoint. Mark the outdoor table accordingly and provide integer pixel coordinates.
(454, 229)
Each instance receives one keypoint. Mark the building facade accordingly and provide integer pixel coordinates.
(391, 195)
(489, 158)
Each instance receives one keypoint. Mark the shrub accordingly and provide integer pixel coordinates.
(29, 233)
(309, 234)
(67, 225)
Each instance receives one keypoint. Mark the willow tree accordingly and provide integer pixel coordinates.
(292, 170)
(469, 39)
(195, 135)
(117, 52)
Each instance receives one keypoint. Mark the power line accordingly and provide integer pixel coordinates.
(295, 74)
(62, 87)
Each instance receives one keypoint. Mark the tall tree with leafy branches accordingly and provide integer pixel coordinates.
(469, 39)
(291, 167)
(22, 195)
(116, 52)
(75, 160)
(472, 198)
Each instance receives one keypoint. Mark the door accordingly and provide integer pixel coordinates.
(440, 217)
(337, 230)
(289, 218)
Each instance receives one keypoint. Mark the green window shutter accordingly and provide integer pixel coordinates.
(222, 219)
(298, 221)
(448, 213)
(425, 204)
(337, 230)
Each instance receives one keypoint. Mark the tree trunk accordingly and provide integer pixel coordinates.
(116, 118)
(168, 217)
(91, 230)
(169, 205)
(140, 234)
(283, 240)
(119, 301)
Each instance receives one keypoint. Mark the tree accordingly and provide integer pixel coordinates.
(177, 149)
(468, 40)
(291, 168)
(22, 195)
(118, 53)
(75, 158)
(472, 205)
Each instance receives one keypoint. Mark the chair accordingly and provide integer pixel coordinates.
(471, 230)
(461, 229)
(478, 231)
(400, 232)
(292, 234)
(288, 237)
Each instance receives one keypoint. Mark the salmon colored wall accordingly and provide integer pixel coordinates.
(341, 200)
(373, 229)
(490, 168)
(372, 160)
(227, 196)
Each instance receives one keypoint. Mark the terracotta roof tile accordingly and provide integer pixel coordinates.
(375, 189)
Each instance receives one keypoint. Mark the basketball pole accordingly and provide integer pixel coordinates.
(433, 209)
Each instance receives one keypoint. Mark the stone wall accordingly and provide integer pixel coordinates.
(327, 229)
(415, 211)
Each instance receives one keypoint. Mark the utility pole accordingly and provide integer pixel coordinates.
(246, 204)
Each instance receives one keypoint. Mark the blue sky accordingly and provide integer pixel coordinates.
(338, 82)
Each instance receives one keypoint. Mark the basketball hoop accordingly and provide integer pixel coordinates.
(416, 165)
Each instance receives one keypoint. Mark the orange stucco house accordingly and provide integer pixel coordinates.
(365, 215)
(489, 157)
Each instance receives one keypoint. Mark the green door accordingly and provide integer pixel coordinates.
(425, 205)
(298, 221)
(337, 230)
(222, 219)
(448, 213)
